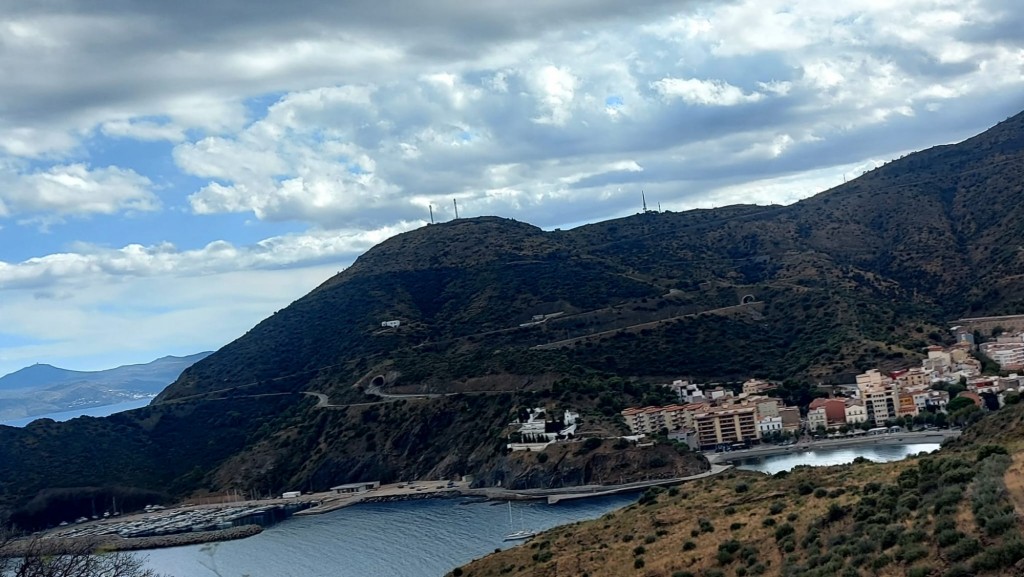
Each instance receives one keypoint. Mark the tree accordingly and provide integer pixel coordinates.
(75, 558)
(959, 403)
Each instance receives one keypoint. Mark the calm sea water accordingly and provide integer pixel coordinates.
(408, 539)
(424, 538)
(103, 411)
(824, 457)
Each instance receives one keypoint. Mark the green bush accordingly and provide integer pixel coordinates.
(741, 487)
(768, 522)
(784, 531)
(821, 492)
(689, 546)
(777, 507)
(638, 563)
(639, 550)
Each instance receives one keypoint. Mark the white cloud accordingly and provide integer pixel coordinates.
(703, 92)
(143, 130)
(556, 89)
(75, 190)
(101, 324)
(89, 263)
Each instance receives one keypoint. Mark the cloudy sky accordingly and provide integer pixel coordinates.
(173, 172)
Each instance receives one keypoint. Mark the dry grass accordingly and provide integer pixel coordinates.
(1014, 479)
(608, 547)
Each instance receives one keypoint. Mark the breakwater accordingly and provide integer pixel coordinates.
(69, 545)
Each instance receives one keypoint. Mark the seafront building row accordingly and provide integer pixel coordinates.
(717, 417)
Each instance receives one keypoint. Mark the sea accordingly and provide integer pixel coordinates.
(840, 456)
(422, 538)
(101, 411)
(426, 538)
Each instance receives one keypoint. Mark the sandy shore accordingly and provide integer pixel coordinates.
(911, 438)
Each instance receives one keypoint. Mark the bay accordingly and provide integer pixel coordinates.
(425, 538)
(825, 457)
(101, 411)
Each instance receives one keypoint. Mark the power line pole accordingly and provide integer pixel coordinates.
(431, 207)
(456, 202)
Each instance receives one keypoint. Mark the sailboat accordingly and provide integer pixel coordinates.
(521, 533)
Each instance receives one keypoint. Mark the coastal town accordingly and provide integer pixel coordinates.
(718, 418)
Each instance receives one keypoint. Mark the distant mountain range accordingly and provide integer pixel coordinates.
(42, 389)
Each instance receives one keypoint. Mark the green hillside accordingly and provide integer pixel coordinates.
(949, 514)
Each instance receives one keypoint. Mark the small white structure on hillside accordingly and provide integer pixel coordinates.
(391, 324)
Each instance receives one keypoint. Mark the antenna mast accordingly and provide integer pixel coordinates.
(456, 202)
(431, 207)
(644, 198)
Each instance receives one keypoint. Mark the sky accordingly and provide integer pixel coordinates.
(171, 173)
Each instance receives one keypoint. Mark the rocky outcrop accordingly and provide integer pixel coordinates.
(571, 465)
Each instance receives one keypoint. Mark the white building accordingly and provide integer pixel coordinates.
(816, 418)
(391, 324)
(855, 412)
(768, 425)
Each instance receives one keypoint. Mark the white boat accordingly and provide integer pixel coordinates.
(521, 533)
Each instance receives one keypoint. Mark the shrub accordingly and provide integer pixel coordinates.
(919, 571)
(736, 526)
(805, 488)
(729, 510)
(742, 487)
(705, 526)
(768, 522)
(777, 507)
(792, 517)
(682, 574)
(639, 550)
(638, 563)
(965, 549)
(627, 537)
(784, 531)
(650, 539)
(911, 553)
(821, 492)
(542, 458)
(988, 450)
(689, 546)
(948, 537)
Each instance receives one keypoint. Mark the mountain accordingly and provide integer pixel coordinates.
(503, 315)
(42, 389)
(867, 273)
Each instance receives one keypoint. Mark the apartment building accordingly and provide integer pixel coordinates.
(1010, 356)
(757, 386)
(817, 419)
(880, 396)
(856, 412)
(834, 410)
(790, 419)
(726, 425)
